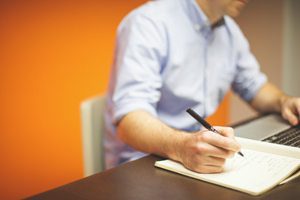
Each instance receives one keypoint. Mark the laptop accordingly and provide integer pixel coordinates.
(270, 128)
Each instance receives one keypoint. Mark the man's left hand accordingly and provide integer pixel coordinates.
(290, 109)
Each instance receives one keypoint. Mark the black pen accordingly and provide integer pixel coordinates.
(205, 123)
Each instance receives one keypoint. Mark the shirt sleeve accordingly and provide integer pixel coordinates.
(248, 78)
(139, 57)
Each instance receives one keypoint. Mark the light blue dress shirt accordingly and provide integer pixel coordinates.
(168, 58)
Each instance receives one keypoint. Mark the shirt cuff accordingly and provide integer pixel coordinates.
(252, 91)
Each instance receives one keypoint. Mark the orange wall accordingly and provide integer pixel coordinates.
(53, 54)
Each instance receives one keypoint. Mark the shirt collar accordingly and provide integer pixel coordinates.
(198, 17)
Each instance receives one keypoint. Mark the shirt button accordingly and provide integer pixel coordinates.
(197, 27)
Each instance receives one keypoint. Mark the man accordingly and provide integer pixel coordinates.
(176, 54)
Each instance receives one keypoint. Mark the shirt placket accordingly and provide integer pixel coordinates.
(206, 33)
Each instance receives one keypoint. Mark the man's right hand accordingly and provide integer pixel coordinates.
(206, 151)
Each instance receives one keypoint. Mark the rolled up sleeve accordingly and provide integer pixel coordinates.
(248, 79)
(139, 56)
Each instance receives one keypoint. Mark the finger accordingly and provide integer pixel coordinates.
(213, 151)
(207, 169)
(225, 131)
(297, 104)
(212, 161)
(221, 141)
(290, 116)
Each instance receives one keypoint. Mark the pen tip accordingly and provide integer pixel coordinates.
(240, 153)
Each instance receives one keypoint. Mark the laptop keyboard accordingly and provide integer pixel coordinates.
(290, 137)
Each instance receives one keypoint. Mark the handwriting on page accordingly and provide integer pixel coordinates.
(255, 164)
(255, 173)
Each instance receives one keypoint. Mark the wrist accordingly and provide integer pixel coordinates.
(177, 145)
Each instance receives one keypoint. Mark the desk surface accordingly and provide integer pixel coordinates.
(141, 180)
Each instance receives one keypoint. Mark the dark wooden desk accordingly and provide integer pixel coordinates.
(141, 180)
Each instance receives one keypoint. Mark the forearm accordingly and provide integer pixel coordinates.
(268, 99)
(146, 133)
(201, 151)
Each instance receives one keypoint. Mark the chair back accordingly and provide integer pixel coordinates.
(92, 119)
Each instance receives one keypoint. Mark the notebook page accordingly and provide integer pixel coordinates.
(292, 177)
(254, 173)
(277, 149)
